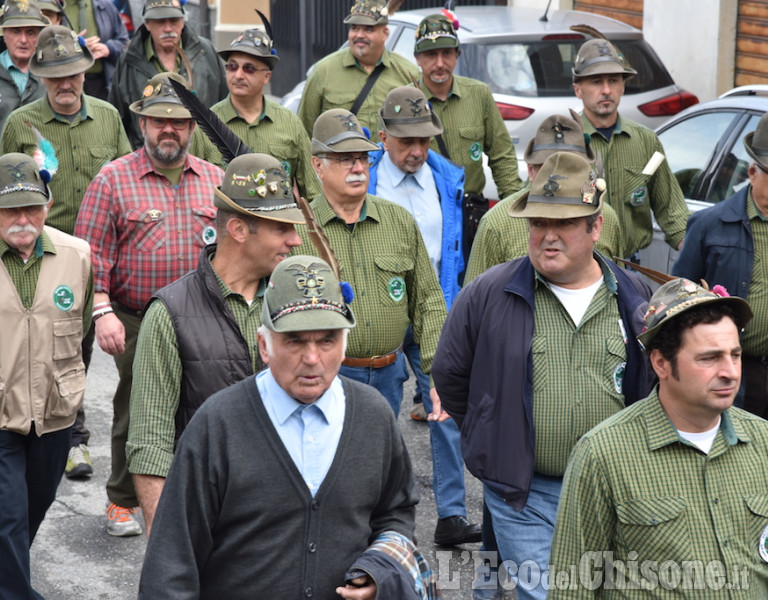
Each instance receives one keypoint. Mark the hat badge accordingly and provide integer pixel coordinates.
(415, 106)
(552, 186)
(309, 280)
(348, 121)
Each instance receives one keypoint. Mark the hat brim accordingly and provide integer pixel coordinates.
(167, 110)
(318, 319)
(67, 69)
(605, 68)
(356, 144)
(163, 12)
(528, 206)
(417, 129)
(758, 157)
(22, 199)
(284, 215)
(25, 22)
(441, 42)
(538, 157)
(363, 20)
(271, 59)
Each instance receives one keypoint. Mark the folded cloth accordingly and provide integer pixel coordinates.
(400, 571)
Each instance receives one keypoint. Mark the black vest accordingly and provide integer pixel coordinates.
(213, 352)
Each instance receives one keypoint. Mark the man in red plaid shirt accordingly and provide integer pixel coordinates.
(146, 216)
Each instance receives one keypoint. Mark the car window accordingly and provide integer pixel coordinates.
(404, 43)
(732, 174)
(690, 144)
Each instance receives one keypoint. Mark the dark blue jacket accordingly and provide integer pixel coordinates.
(483, 370)
(718, 246)
(449, 180)
(112, 32)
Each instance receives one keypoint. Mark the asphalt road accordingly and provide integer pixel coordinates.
(73, 557)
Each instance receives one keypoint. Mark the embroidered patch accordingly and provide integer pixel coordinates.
(209, 234)
(764, 544)
(286, 167)
(64, 298)
(396, 288)
(475, 151)
(618, 377)
(638, 195)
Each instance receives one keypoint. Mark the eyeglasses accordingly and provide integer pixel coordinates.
(348, 161)
(247, 68)
(160, 123)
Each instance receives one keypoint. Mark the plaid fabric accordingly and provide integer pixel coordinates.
(501, 238)
(384, 259)
(473, 125)
(144, 232)
(278, 133)
(755, 339)
(157, 381)
(635, 488)
(95, 137)
(403, 551)
(632, 194)
(337, 80)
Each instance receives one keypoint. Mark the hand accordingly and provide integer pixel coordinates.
(110, 334)
(94, 44)
(351, 592)
(437, 414)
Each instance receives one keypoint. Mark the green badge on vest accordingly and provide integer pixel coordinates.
(64, 297)
(396, 288)
(475, 151)
(209, 235)
(286, 167)
(638, 195)
(618, 377)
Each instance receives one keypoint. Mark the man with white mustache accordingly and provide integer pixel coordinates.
(339, 80)
(382, 256)
(163, 43)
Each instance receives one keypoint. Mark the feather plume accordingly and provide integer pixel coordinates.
(652, 274)
(588, 30)
(45, 154)
(229, 144)
(318, 239)
(190, 75)
(267, 25)
(393, 6)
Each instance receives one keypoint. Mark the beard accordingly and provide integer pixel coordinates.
(167, 157)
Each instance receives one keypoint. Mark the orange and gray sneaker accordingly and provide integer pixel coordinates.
(122, 521)
(418, 412)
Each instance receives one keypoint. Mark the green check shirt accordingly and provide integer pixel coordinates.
(473, 126)
(278, 132)
(337, 80)
(633, 195)
(755, 339)
(94, 138)
(636, 489)
(384, 259)
(501, 238)
(577, 371)
(157, 377)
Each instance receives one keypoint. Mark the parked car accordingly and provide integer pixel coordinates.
(527, 63)
(704, 147)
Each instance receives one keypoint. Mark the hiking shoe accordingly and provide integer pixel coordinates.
(121, 521)
(418, 412)
(78, 462)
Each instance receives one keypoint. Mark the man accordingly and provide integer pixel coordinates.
(381, 254)
(501, 237)
(100, 24)
(431, 189)
(146, 216)
(292, 473)
(666, 499)
(725, 245)
(359, 77)
(473, 124)
(571, 364)
(263, 125)
(635, 187)
(20, 23)
(218, 304)
(47, 295)
(165, 44)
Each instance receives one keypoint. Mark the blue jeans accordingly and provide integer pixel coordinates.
(30, 470)
(388, 380)
(447, 462)
(524, 538)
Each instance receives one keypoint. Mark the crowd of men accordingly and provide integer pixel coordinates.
(262, 342)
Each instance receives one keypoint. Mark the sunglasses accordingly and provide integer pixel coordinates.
(247, 68)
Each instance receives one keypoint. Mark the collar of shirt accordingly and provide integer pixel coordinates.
(6, 62)
(227, 112)
(621, 127)
(43, 244)
(281, 406)
(349, 60)
(324, 212)
(48, 114)
(144, 166)
(457, 89)
(752, 211)
(224, 288)
(609, 279)
(396, 176)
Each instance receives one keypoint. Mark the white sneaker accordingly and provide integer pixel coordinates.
(122, 522)
(78, 462)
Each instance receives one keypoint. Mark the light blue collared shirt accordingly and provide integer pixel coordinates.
(416, 193)
(19, 77)
(310, 432)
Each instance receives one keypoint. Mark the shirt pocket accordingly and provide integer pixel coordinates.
(649, 523)
(146, 227)
(634, 187)
(67, 338)
(471, 144)
(203, 216)
(392, 274)
(100, 156)
(756, 519)
(339, 98)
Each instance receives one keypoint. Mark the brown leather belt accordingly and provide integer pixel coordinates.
(375, 362)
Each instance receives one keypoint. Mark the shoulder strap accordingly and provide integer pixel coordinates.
(367, 88)
(441, 145)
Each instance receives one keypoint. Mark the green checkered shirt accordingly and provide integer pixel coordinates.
(755, 339)
(473, 126)
(157, 377)
(501, 238)
(337, 80)
(94, 138)
(632, 194)
(278, 132)
(385, 261)
(577, 371)
(636, 489)
(25, 275)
